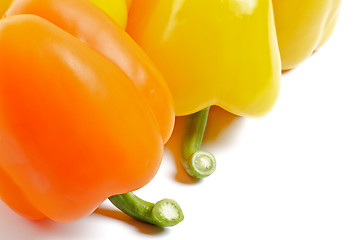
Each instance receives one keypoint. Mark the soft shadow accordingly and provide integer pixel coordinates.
(45, 224)
(144, 228)
(218, 121)
(10, 223)
(285, 72)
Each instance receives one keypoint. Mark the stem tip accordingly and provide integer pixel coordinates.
(167, 212)
(202, 164)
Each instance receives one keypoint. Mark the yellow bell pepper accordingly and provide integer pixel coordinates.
(302, 27)
(116, 9)
(211, 52)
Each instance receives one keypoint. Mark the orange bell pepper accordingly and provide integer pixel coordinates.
(79, 121)
(113, 42)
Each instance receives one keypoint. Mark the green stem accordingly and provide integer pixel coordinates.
(164, 213)
(197, 163)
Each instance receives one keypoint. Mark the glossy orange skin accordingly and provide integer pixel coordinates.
(74, 129)
(86, 22)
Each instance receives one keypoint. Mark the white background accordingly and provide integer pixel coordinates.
(294, 174)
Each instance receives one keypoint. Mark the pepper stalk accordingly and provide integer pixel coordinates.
(164, 213)
(197, 163)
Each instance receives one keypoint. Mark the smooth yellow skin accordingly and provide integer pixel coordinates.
(4, 5)
(212, 52)
(116, 9)
(302, 27)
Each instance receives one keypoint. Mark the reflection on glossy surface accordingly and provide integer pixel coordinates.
(243, 6)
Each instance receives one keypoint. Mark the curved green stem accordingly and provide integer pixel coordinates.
(197, 163)
(164, 213)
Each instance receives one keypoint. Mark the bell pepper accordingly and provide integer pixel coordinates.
(114, 43)
(219, 52)
(302, 27)
(75, 112)
(116, 9)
